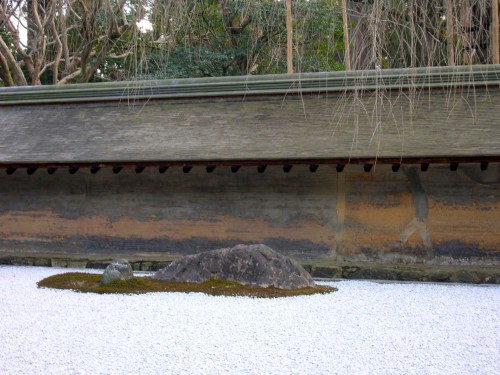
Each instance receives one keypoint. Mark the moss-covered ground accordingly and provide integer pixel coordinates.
(91, 283)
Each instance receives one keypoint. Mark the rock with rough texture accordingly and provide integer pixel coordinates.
(254, 265)
(119, 269)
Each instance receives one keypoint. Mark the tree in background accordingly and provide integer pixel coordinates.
(63, 41)
(60, 41)
(413, 33)
(236, 37)
(72, 41)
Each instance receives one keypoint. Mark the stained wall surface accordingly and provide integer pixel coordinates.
(434, 217)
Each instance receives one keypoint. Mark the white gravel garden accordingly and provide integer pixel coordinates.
(363, 328)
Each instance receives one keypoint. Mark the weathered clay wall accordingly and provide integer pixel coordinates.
(161, 216)
(437, 217)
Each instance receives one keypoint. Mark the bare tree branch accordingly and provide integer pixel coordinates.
(59, 46)
(5, 75)
(69, 77)
(10, 66)
(40, 42)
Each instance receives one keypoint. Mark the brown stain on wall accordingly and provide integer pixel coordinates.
(376, 226)
(391, 212)
(173, 211)
(47, 226)
(380, 227)
(474, 223)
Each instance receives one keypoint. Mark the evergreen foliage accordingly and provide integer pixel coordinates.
(72, 41)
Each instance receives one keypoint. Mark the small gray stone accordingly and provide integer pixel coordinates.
(119, 269)
(254, 265)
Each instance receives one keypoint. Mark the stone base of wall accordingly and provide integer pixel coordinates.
(362, 271)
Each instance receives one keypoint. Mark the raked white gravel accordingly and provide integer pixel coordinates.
(364, 328)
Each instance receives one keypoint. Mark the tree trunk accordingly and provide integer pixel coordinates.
(289, 37)
(5, 75)
(495, 31)
(466, 25)
(347, 57)
(10, 70)
(449, 32)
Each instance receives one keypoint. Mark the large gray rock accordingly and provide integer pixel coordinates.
(255, 265)
(119, 269)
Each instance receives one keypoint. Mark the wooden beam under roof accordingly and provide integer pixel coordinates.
(312, 164)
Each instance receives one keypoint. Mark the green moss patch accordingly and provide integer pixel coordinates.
(91, 283)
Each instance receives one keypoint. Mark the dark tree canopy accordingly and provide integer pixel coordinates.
(73, 41)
